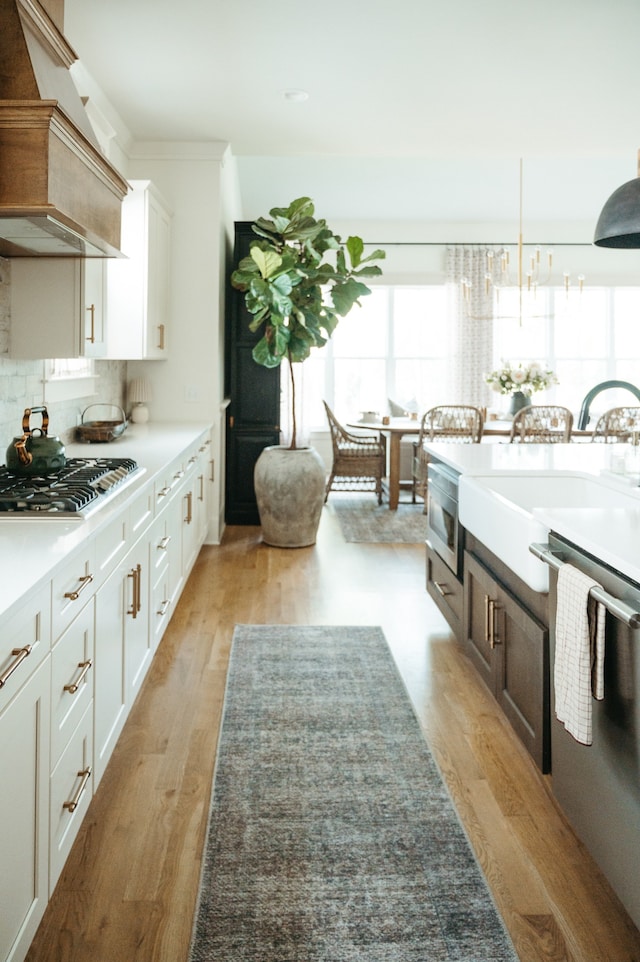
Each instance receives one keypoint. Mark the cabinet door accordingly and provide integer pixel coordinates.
(93, 314)
(479, 592)
(522, 685)
(156, 331)
(138, 285)
(24, 813)
(253, 414)
(137, 641)
(57, 307)
(110, 694)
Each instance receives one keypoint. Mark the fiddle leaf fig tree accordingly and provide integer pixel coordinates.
(298, 281)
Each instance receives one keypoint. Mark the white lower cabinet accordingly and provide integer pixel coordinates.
(24, 813)
(72, 661)
(110, 695)
(70, 793)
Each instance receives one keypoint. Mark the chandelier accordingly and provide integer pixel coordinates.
(523, 279)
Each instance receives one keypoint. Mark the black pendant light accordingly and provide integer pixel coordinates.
(619, 221)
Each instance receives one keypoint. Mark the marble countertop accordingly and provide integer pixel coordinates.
(610, 534)
(30, 549)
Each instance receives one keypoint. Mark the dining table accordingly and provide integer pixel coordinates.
(399, 427)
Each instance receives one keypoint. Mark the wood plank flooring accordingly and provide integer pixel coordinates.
(129, 889)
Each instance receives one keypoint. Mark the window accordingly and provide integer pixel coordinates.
(68, 378)
(397, 345)
(393, 346)
(585, 338)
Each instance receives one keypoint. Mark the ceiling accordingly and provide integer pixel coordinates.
(415, 108)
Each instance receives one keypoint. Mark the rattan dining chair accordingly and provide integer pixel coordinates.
(359, 460)
(542, 424)
(445, 422)
(617, 424)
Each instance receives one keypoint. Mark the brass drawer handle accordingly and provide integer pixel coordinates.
(494, 638)
(163, 544)
(440, 588)
(85, 775)
(189, 517)
(92, 336)
(162, 610)
(85, 582)
(161, 337)
(73, 687)
(20, 654)
(201, 480)
(136, 602)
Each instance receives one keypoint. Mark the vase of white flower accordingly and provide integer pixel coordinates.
(520, 381)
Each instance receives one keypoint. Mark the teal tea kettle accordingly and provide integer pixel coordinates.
(35, 453)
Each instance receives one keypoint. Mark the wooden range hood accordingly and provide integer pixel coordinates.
(59, 195)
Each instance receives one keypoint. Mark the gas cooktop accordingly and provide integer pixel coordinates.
(75, 491)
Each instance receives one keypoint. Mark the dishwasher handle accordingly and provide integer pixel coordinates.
(619, 609)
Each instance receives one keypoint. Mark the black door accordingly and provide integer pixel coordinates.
(253, 414)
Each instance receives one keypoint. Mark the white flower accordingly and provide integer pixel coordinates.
(518, 377)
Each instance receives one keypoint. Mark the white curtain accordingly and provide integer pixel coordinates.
(471, 325)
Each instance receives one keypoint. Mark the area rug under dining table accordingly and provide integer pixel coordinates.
(332, 837)
(362, 519)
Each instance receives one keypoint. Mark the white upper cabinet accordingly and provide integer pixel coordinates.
(138, 285)
(58, 307)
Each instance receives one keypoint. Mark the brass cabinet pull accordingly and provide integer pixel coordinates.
(92, 336)
(162, 610)
(440, 588)
(163, 544)
(201, 480)
(161, 337)
(73, 803)
(136, 602)
(212, 477)
(20, 654)
(85, 582)
(73, 687)
(164, 492)
(189, 518)
(178, 475)
(487, 602)
(193, 459)
(494, 637)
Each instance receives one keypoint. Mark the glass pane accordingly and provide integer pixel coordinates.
(626, 312)
(363, 332)
(576, 380)
(581, 323)
(419, 317)
(423, 380)
(359, 386)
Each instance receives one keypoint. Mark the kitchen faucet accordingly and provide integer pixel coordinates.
(583, 418)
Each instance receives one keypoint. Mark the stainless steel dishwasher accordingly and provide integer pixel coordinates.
(598, 786)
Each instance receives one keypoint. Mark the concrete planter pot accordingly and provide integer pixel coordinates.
(290, 487)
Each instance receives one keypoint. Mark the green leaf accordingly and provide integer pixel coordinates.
(344, 296)
(268, 262)
(355, 246)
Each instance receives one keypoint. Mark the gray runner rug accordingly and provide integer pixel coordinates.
(363, 519)
(332, 837)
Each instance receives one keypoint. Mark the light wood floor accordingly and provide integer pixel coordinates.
(129, 888)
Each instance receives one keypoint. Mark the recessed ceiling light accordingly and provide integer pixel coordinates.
(296, 96)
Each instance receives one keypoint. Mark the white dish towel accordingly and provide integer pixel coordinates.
(579, 660)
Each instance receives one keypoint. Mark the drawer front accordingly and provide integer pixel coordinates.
(71, 789)
(25, 641)
(73, 585)
(71, 679)
(161, 609)
(160, 544)
(166, 485)
(111, 546)
(446, 591)
(141, 512)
